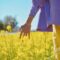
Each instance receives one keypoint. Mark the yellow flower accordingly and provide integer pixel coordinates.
(25, 47)
(9, 28)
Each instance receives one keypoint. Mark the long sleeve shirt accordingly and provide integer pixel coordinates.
(54, 12)
(44, 17)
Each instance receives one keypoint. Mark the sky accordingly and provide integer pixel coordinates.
(19, 9)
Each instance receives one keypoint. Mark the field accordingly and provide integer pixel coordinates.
(38, 47)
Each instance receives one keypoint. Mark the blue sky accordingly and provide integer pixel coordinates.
(19, 9)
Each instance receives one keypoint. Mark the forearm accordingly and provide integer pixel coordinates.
(29, 20)
(33, 12)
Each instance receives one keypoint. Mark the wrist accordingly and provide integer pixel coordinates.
(28, 24)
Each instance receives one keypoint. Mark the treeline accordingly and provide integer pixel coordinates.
(7, 23)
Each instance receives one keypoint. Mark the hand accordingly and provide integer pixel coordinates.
(25, 30)
(38, 29)
(50, 28)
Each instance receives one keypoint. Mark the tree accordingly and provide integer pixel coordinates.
(9, 20)
(1, 25)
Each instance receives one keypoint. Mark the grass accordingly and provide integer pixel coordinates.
(38, 47)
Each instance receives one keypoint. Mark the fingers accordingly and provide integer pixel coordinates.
(21, 34)
(25, 31)
(29, 35)
(21, 30)
(24, 34)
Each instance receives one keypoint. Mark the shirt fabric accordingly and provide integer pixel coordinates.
(54, 9)
(54, 12)
(44, 15)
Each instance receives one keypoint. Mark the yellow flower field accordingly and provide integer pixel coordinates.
(38, 47)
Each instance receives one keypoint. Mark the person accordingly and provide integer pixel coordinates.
(42, 25)
(55, 20)
(44, 17)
